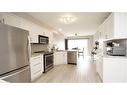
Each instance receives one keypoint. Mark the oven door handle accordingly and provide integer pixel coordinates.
(48, 55)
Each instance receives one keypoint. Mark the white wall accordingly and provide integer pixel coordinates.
(59, 41)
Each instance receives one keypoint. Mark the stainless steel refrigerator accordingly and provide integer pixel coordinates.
(14, 54)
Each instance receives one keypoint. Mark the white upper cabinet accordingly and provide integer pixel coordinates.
(120, 25)
(50, 35)
(115, 26)
(108, 27)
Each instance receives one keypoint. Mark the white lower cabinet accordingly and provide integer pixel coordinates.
(36, 66)
(60, 57)
(99, 66)
(114, 69)
(65, 58)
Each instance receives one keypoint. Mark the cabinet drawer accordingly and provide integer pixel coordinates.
(35, 76)
(35, 61)
(36, 68)
(36, 58)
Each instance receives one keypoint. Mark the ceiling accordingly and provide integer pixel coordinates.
(86, 23)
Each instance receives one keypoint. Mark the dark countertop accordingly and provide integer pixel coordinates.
(43, 52)
(35, 54)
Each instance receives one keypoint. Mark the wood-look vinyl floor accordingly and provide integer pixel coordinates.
(83, 72)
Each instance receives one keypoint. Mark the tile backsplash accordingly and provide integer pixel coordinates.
(38, 47)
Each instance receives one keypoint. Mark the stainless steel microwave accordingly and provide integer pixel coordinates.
(43, 39)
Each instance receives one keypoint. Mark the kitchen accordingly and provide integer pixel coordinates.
(47, 52)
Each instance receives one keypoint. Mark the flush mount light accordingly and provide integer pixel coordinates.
(67, 19)
(59, 29)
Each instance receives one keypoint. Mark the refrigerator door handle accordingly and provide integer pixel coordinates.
(17, 72)
(28, 49)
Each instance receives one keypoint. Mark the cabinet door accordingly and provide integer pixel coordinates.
(110, 27)
(64, 57)
(126, 71)
(60, 58)
(33, 38)
(114, 70)
(33, 34)
(57, 58)
(120, 27)
(104, 30)
(99, 66)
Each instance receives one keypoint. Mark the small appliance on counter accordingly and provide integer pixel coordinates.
(115, 49)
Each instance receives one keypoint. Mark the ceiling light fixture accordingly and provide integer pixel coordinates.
(67, 19)
(59, 29)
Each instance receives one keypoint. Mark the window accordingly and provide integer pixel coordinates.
(78, 44)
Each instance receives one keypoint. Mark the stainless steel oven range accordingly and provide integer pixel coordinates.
(48, 61)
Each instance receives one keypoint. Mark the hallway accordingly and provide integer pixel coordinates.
(83, 72)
